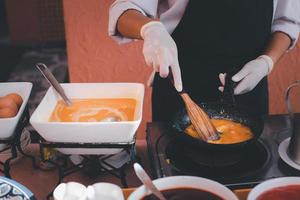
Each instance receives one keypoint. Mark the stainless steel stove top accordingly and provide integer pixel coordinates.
(261, 164)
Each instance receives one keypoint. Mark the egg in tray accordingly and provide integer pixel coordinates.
(10, 105)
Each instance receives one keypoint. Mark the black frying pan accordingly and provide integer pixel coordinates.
(226, 108)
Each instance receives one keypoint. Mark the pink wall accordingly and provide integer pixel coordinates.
(94, 57)
(285, 73)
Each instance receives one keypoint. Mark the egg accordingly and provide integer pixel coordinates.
(8, 112)
(16, 98)
(7, 102)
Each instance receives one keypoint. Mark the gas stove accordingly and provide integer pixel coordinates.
(260, 161)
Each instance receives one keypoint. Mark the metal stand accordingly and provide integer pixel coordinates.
(14, 143)
(96, 164)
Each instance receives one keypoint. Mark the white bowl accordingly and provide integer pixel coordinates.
(8, 125)
(89, 132)
(105, 191)
(70, 190)
(271, 184)
(74, 190)
(185, 182)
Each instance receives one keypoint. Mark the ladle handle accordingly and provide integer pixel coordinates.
(52, 80)
(143, 176)
(151, 78)
(294, 146)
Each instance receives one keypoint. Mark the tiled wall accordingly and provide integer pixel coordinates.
(35, 21)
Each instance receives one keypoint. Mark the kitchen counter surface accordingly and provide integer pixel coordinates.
(276, 129)
(42, 182)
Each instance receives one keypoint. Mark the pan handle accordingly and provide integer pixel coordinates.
(228, 93)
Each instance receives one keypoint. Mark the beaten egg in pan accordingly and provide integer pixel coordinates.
(230, 132)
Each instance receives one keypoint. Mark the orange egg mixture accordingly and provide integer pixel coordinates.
(230, 132)
(10, 105)
(94, 110)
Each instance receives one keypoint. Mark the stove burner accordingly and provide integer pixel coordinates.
(187, 160)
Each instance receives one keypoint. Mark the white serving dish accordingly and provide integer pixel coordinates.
(271, 184)
(185, 182)
(8, 125)
(89, 132)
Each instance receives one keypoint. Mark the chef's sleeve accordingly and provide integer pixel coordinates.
(287, 19)
(146, 7)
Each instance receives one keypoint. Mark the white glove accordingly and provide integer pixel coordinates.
(160, 51)
(250, 75)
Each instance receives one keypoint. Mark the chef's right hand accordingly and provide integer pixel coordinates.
(160, 51)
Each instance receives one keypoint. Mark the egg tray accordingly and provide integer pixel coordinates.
(14, 144)
(89, 160)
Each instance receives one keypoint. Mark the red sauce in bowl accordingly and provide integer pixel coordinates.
(291, 192)
(185, 194)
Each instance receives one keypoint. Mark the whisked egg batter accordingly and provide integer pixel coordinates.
(230, 132)
(94, 110)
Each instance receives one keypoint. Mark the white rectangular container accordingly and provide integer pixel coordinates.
(8, 125)
(89, 132)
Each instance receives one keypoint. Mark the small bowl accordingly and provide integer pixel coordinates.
(104, 191)
(89, 132)
(174, 182)
(78, 191)
(8, 125)
(271, 184)
(70, 190)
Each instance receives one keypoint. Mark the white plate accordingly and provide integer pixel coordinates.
(282, 150)
(16, 188)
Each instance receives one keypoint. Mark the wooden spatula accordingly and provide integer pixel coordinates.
(200, 120)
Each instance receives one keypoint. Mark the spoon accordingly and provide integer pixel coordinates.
(52, 80)
(110, 119)
(145, 179)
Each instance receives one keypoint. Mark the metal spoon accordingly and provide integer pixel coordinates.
(52, 80)
(110, 119)
(143, 176)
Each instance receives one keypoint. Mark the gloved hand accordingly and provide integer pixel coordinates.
(160, 51)
(250, 75)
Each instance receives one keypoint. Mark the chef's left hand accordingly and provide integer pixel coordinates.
(250, 75)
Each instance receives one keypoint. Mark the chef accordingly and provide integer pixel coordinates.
(198, 42)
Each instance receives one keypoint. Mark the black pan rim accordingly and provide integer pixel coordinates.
(246, 114)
